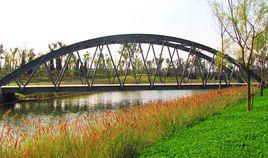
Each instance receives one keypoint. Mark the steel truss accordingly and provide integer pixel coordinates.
(173, 46)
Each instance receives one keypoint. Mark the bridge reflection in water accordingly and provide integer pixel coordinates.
(95, 102)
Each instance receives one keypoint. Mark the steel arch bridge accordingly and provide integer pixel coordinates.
(127, 61)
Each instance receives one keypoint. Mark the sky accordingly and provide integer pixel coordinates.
(35, 23)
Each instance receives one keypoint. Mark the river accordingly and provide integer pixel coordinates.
(93, 103)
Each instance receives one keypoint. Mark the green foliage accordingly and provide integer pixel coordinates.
(260, 41)
(23, 55)
(54, 46)
(261, 46)
(127, 51)
(233, 133)
(219, 60)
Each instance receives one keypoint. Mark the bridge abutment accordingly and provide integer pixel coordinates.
(6, 98)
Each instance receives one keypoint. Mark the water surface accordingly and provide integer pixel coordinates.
(95, 102)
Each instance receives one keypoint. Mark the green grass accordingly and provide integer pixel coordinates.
(232, 133)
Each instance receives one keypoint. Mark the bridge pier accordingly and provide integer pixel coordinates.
(6, 97)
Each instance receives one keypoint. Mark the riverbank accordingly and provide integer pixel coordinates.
(232, 133)
(123, 133)
(46, 96)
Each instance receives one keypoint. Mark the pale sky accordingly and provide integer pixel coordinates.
(35, 23)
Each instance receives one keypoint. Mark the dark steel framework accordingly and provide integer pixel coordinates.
(172, 44)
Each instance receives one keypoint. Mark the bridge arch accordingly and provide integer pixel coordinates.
(194, 49)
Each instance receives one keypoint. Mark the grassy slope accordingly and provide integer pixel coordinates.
(233, 133)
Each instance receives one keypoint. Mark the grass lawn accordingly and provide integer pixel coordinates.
(231, 133)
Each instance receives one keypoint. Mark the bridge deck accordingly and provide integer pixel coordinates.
(110, 87)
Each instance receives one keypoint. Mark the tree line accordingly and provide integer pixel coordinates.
(13, 58)
(16, 57)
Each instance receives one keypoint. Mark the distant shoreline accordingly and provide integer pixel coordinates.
(46, 96)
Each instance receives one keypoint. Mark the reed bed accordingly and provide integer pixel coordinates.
(122, 133)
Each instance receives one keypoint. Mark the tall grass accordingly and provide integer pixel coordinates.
(111, 134)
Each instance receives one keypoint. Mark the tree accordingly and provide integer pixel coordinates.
(7, 64)
(124, 56)
(126, 51)
(168, 64)
(54, 46)
(58, 45)
(86, 58)
(138, 64)
(261, 48)
(23, 55)
(219, 63)
(1, 55)
(109, 63)
(180, 65)
(243, 21)
(225, 41)
(58, 64)
(31, 55)
(13, 57)
(51, 62)
(158, 62)
(73, 66)
(150, 66)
